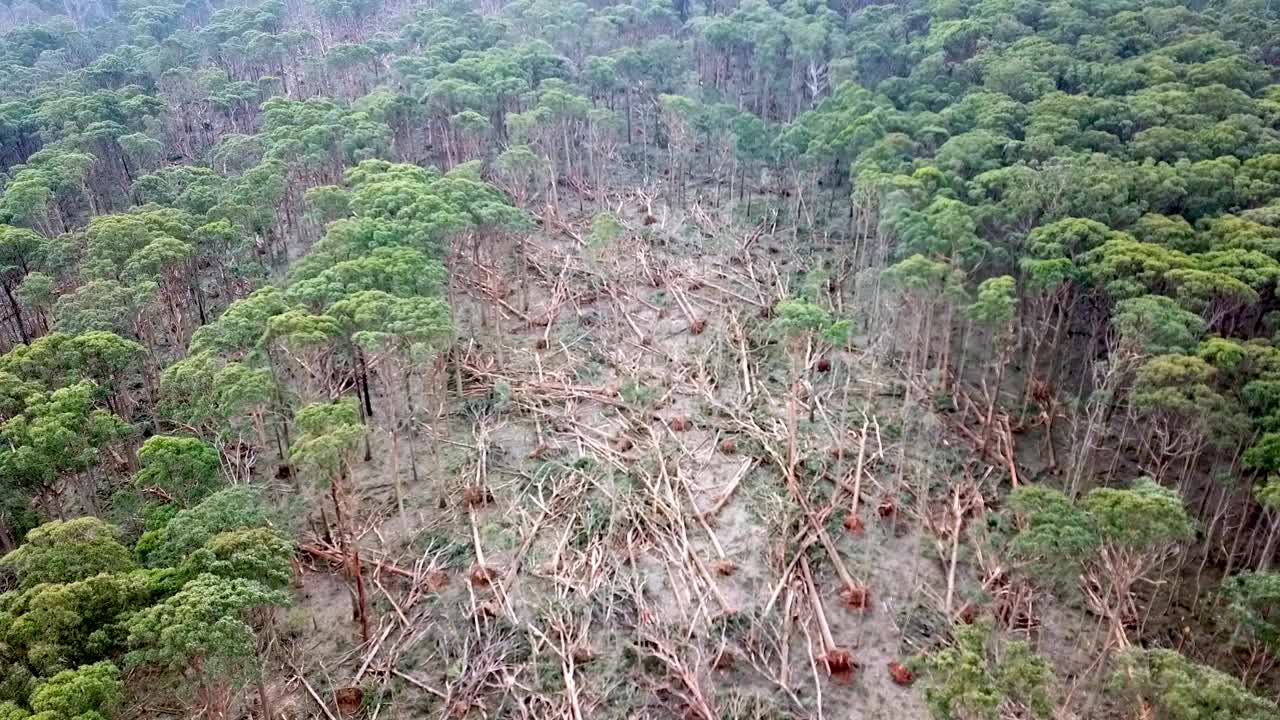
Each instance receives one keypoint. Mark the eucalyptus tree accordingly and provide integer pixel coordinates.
(20, 255)
(402, 334)
(201, 639)
(60, 436)
(179, 470)
(1103, 545)
(329, 436)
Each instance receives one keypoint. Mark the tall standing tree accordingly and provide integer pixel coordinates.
(1108, 542)
(329, 437)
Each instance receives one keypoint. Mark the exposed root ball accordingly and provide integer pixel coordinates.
(839, 662)
(349, 700)
(540, 344)
(856, 598)
(900, 674)
(623, 443)
(968, 613)
(583, 654)
(482, 576)
(650, 220)
(679, 423)
(823, 365)
(725, 660)
(725, 567)
(488, 609)
(435, 581)
(853, 524)
(837, 452)
(728, 446)
(284, 471)
(476, 495)
(698, 326)
(887, 508)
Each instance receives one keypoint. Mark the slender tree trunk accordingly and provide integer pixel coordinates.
(351, 557)
(17, 313)
(413, 427)
(1269, 550)
(264, 698)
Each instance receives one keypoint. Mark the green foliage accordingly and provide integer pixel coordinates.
(234, 508)
(199, 636)
(55, 627)
(57, 433)
(1253, 600)
(981, 676)
(996, 302)
(64, 552)
(798, 319)
(184, 469)
(329, 436)
(88, 692)
(1055, 537)
(605, 228)
(1155, 325)
(257, 554)
(1180, 689)
(1145, 516)
(1043, 168)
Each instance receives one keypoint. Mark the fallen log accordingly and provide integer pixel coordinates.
(334, 556)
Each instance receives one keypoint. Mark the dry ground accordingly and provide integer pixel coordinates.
(604, 524)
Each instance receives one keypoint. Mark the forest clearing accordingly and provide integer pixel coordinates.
(729, 360)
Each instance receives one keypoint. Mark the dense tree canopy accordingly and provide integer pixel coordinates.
(261, 260)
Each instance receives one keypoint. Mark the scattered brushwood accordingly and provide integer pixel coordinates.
(664, 526)
(695, 703)
(965, 502)
(727, 494)
(992, 440)
(709, 227)
(333, 555)
(1012, 600)
(853, 593)
(528, 387)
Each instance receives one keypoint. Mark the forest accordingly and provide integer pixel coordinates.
(645, 359)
